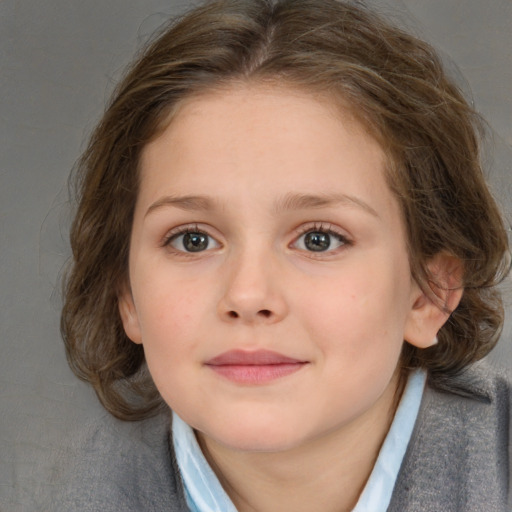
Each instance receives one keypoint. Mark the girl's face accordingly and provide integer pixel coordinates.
(269, 275)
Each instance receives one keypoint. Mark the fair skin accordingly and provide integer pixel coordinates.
(264, 222)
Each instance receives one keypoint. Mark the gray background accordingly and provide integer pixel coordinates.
(59, 60)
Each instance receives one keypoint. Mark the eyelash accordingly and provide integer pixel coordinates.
(181, 231)
(317, 227)
(326, 228)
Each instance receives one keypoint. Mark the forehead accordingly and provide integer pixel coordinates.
(256, 103)
(265, 138)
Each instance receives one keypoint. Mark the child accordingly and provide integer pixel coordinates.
(284, 236)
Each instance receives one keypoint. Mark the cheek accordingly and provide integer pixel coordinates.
(169, 326)
(361, 309)
(168, 306)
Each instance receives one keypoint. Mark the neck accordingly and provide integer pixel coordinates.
(327, 473)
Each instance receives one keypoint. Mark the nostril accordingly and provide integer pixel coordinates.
(265, 313)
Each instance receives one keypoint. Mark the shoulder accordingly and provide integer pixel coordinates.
(119, 466)
(458, 455)
(480, 381)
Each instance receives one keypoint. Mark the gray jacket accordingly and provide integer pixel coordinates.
(457, 459)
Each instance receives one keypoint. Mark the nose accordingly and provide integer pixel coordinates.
(253, 293)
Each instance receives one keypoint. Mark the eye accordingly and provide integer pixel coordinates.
(191, 241)
(320, 240)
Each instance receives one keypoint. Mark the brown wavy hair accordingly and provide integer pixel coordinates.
(396, 86)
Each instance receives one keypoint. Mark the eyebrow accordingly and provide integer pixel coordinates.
(313, 201)
(292, 201)
(187, 203)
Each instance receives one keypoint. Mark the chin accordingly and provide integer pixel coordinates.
(257, 438)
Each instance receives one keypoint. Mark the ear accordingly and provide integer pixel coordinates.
(432, 308)
(129, 315)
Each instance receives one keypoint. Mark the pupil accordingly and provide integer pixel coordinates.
(317, 241)
(195, 242)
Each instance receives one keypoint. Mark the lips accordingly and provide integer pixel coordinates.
(254, 367)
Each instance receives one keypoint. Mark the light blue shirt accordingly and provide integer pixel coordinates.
(204, 492)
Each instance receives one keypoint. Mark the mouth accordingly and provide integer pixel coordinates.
(254, 367)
